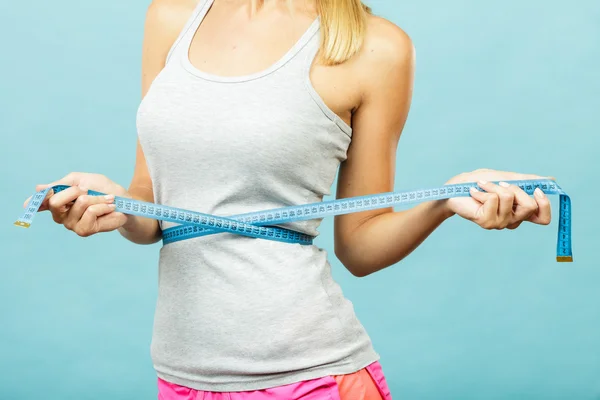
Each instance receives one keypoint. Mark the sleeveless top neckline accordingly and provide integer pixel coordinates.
(290, 54)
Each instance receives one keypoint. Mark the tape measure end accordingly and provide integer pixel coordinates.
(564, 258)
(22, 224)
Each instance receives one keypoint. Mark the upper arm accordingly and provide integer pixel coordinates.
(385, 69)
(164, 20)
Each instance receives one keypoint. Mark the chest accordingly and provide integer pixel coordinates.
(263, 133)
(230, 44)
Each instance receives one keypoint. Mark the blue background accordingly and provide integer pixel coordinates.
(471, 314)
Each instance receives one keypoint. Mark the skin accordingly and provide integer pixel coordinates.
(372, 91)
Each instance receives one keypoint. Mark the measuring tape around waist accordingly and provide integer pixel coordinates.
(193, 224)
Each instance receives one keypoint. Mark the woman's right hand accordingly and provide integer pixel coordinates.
(79, 212)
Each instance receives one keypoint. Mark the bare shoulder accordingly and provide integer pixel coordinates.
(167, 8)
(386, 46)
(164, 21)
(168, 16)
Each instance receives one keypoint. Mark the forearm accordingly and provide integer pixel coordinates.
(387, 238)
(137, 229)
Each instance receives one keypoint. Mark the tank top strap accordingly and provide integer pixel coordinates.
(310, 48)
(296, 63)
(189, 29)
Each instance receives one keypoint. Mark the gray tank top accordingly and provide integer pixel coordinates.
(235, 313)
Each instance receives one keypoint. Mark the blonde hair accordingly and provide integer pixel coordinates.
(343, 28)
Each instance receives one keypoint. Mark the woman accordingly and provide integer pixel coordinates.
(250, 105)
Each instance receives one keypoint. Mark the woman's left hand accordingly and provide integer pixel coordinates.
(500, 206)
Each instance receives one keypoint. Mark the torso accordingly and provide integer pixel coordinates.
(225, 134)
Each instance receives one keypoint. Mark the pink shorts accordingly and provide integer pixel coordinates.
(366, 384)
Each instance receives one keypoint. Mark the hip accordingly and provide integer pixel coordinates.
(368, 383)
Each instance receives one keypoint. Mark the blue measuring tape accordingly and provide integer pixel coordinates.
(193, 224)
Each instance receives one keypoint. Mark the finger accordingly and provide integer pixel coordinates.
(65, 197)
(26, 203)
(514, 225)
(77, 210)
(44, 205)
(543, 216)
(487, 214)
(38, 188)
(95, 220)
(480, 196)
(524, 205)
(506, 199)
(111, 221)
(71, 179)
(60, 203)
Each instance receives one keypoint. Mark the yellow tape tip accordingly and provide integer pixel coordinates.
(564, 258)
(22, 224)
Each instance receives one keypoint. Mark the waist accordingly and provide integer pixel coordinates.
(257, 283)
(242, 309)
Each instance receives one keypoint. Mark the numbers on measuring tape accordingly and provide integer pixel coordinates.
(192, 224)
